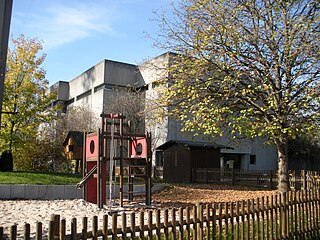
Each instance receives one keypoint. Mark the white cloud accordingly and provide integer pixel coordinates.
(61, 24)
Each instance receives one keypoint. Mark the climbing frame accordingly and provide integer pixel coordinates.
(110, 149)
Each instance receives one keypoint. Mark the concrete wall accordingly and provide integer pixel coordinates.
(92, 88)
(267, 156)
(61, 88)
(52, 192)
(87, 80)
(45, 192)
(152, 71)
(122, 74)
(155, 69)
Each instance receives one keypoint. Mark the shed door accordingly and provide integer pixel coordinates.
(181, 169)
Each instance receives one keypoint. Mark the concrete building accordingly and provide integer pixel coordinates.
(94, 87)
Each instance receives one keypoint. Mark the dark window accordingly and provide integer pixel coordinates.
(85, 94)
(69, 101)
(139, 149)
(92, 147)
(159, 158)
(232, 161)
(253, 159)
(105, 86)
(70, 148)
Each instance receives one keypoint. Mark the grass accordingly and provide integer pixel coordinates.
(47, 178)
(39, 178)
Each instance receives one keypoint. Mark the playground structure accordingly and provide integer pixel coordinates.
(123, 155)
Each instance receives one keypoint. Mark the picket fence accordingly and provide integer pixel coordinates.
(292, 215)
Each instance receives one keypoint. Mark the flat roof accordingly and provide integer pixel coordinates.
(192, 144)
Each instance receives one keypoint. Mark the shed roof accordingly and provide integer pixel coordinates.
(192, 144)
(76, 135)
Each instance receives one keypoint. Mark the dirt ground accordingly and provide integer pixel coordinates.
(182, 195)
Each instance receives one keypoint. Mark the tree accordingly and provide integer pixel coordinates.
(248, 67)
(45, 152)
(24, 97)
(54, 133)
(40, 155)
(75, 119)
(129, 102)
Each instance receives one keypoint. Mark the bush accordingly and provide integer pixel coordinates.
(40, 156)
(6, 162)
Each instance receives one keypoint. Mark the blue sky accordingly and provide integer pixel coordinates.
(77, 34)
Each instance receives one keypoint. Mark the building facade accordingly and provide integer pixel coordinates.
(95, 87)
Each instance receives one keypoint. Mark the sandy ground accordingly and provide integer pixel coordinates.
(31, 211)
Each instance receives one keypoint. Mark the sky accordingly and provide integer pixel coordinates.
(77, 34)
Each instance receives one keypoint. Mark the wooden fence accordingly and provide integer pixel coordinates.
(293, 215)
(304, 180)
(299, 180)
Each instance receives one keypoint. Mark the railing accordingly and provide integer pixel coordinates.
(292, 215)
(263, 179)
(304, 180)
(299, 180)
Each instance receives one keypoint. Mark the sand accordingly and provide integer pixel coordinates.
(33, 211)
(19, 212)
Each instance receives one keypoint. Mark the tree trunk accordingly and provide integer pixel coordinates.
(11, 136)
(283, 174)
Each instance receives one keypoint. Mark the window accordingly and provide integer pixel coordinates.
(139, 149)
(104, 86)
(85, 94)
(159, 158)
(232, 161)
(70, 101)
(253, 159)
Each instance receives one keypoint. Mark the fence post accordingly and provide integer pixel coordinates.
(73, 228)
(283, 206)
(292, 179)
(200, 221)
(124, 224)
(13, 232)
(270, 180)
(105, 227)
(304, 179)
(39, 231)
(51, 230)
(195, 221)
(26, 231)
(232, 177)
(62, 229)
(114, 226)
(95, 227)
(192, 175)
(56, 224)
(173, 222)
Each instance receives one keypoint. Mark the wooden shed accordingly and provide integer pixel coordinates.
(179, 157)
(73, 147)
